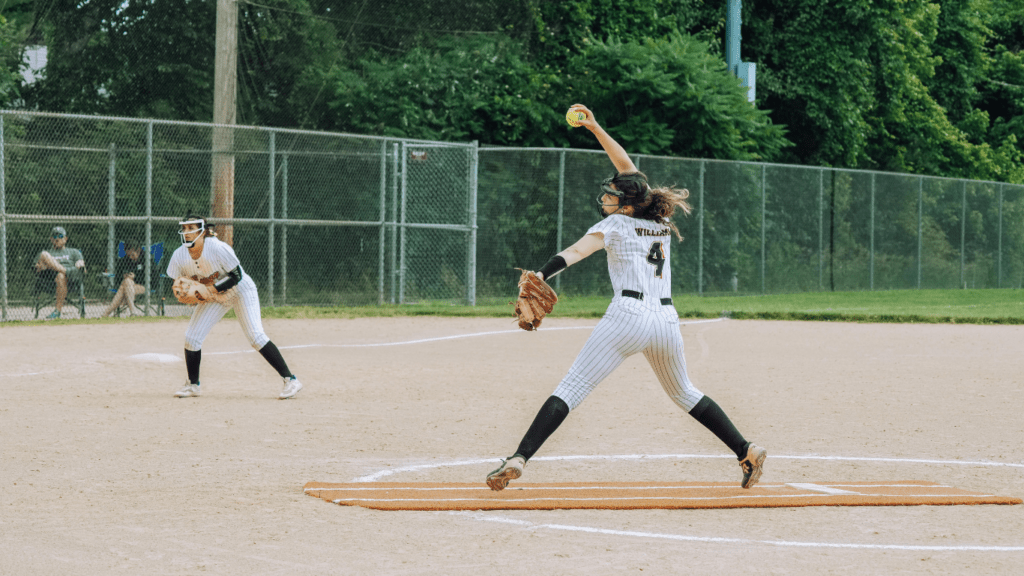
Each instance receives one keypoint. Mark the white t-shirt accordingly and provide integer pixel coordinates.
(217, 259)
(638, 255)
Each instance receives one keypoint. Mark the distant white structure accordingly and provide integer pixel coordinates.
(33, 64)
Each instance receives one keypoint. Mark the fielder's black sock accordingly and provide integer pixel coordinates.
(550, 417)
(192, 359)
(710, 414)
(273, 355)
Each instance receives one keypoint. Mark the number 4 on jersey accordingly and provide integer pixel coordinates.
(656, 256)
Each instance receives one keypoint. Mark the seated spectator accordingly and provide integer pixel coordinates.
(126, 271)
(58, 266)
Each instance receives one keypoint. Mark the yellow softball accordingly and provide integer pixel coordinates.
(573, 117)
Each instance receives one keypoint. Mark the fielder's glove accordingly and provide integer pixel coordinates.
(536, 300)
(189, 291)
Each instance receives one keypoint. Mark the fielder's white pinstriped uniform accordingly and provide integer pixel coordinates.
(638, 263)
(217, 260)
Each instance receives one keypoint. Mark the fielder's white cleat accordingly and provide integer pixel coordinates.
(190, 390)
(291, 388)
(751, 465)
(510, 469)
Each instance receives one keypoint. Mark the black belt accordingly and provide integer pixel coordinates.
(640, 296)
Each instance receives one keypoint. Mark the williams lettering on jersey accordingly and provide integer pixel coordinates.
(646, 232)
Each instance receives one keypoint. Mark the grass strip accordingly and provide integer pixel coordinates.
(992, 306)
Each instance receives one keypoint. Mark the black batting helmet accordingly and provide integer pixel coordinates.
(632, 189)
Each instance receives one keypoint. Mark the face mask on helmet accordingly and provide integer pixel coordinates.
(607, 189)
(630, 189)
(198, 231)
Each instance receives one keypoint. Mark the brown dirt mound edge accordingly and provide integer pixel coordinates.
(432, 496)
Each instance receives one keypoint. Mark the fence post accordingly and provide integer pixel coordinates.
(270, 209)
(284, 229)
(700, 232)
(474, 169)
(920, 229)
(401, 233)
(383, 207)
(3, 225)
(871, 266)
(111, 207)
(963, 232)
(821, 229)
(394, 217)
(999, 264)
(764, 193)
(561, 210)
(149, 213)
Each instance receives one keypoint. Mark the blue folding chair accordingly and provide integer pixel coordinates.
(157, 250)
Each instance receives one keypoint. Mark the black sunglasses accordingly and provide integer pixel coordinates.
(58, 236)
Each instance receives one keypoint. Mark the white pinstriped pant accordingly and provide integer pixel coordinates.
(245, 303)
(630, 326)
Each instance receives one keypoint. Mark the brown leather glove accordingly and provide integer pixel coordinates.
(536, 300)
(189, 291)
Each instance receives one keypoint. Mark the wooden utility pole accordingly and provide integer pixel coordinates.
(222, 193)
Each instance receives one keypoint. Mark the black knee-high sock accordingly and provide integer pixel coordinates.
(550, 416)
(711, 415)
(273, 355)
(192, 359)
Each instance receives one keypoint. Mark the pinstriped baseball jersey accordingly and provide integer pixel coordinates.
(638, 261)
(217, 259)
(638, 255)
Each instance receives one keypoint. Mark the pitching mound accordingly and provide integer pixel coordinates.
(637, 495)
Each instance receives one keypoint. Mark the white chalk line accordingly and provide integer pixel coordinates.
(440, 338)
(78, 368)
(417, 467)
(744, 541)
(32, 373)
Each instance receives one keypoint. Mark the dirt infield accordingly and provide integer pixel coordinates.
(102, 471)
(642, 495)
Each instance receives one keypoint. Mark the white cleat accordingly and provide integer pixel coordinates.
(190, 390)
(510, 469)
(751, 465)
(291, 388)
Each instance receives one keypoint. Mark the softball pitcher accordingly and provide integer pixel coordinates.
(204, 258)
(635, 231)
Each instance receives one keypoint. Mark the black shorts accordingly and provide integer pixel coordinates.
(46, 281)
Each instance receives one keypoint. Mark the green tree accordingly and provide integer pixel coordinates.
(963, 63)
(902, 85)
(671, 97)
(1001, 90)
(275, 47)
(668, 97)
(156, 59)
(127, 59)
(469, 88)
(10, 62)
(851, 81)
(562, 29)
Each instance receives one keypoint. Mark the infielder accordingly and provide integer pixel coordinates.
(204, 258)
(635, 232)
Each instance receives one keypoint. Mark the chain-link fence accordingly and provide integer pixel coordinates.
(337, 219)
(318, 219)
(759, 228)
